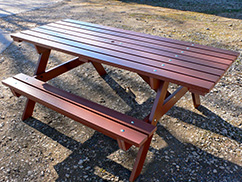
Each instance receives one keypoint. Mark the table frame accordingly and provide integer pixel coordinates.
(158, 61)
(163, 102)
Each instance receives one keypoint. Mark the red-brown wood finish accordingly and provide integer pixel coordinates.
(196, 100)
(159, 61)
(193, 66)
(76, 110)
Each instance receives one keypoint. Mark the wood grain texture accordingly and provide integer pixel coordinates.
(196, 67)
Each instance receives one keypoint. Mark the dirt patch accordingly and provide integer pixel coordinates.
(189, 145)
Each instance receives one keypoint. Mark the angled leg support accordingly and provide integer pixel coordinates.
(60, 69)
(140, 159)
(123, 145)
(164, 101)
(100, 69)
(153, 82)
(158, 103)
(196, 100)
(43, 59)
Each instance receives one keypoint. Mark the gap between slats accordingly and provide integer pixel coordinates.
(154, 44)
(193, 83)
(140, 60)
(173, 43)
(211, 68)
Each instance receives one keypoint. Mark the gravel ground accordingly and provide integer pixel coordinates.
(203, 144)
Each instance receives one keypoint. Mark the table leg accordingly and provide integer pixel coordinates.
(44, 55)
(100, 69)
(196, 100)
(158, 103)
(153, 82)
(43, 59)
(164, 101)
(123, 145)
(140, 159)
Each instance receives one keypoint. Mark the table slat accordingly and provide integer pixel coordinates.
(213, 68)
(217, 55)
(111, 50)
(198, 85)
(176, 42)
(160, 49)
(194, 66)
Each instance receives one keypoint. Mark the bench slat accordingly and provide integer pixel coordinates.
(114, 51)
(138, 125)
(82, 115)
(176, 42)
(198, 85)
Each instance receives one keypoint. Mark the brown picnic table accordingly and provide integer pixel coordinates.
(159, 61)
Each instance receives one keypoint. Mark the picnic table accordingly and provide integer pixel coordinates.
(159, 61)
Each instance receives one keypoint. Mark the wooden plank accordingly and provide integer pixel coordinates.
(196, 100)
(156, 55)
(58, 70)
(144, 47)
(28, 109)
(123, 145)
(158, 103)
(154, 83)
(140, 159)
(84, 116)
(44, 54)
(86, 104)
(172, 99)
(43, 59)
(152, 37)
(141, 60)
(157, 43)
(198, 85)
(100, 69)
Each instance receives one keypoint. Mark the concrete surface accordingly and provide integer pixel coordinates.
(12, 7)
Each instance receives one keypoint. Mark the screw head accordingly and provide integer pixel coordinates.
(155, 70)
(182, 51)
(188, 48)
(192, 44)
(163, 65)
(170, 59)
(122, 130)
(132, 122)
(176, 55)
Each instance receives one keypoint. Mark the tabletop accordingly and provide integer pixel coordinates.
(194, 66)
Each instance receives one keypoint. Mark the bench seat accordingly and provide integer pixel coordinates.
(102, 119)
